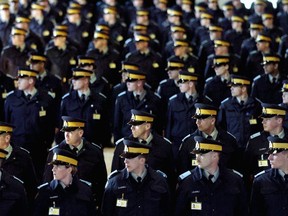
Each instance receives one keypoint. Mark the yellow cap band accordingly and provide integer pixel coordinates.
(267, 16)
(187, 77)
(136, 76)
(142, 13)
(285, 86)
(27, 73)
(271, 58)
(212, 147)
(278, 145)
(4, 7)
(18, 32)
(174, 13)
(175, 64)
(221, 43)
(271, 111)
(81, 73)
(22, 19)
(6, 128)
(73, 11)
(142, 118)
(100, 35)
(206, 16)
(65, 160)
(221, 60)
(240, 81)
(177, 28)
(73, 124)
(263, 38)
(37, 7)
(141, 38)
(109, 11)
(256, 26)
(137, 150)
(139, 27)
(215, 28)
(130, 67)
(59, 33)
(38, 58)
(86, 61)
(205, 112)
(237, 19)
(228, 7)
(180, 43)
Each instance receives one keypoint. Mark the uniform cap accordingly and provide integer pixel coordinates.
(73, 10)
(284, 2)
(174, 62)
(61, 27)
(37, 57)
(139, 117)
(26, 72)
(218, 43)
(141, 37)
(204, 145)
(271, 110)
(219, 60)
(263, 38)
(140, 27)
(4, 6)
(204, 111)
(101, 35)
(133, 149)
(102, 27)
(239, 80)
(142, 12)
(22, 19)
(3, 154)
(256, 26)
(174, 11)
(18, 31)
(270, 58)
(59, 33)
(37, 6)
(6, 128)
(259, 2)
(188, 2)
(79, 73)
(267, 16)
(85, 60)
(285, 86)
(183, 43)
(215, 28)
(185, 76)
(177, 28)
(135, 75)
(63, 157)
(71, 124)
(110, 10)
(237, 19)
(228, 6)
(206, 15)
(277, 145)
(201, 6)
(129, 66)
(163, 1)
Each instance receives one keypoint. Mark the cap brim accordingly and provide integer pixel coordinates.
(132, 122)
(266, 116)
(56, 162)
(68, 129)
(201, 116)
(129, 155)
(200, 151)
(274, 151)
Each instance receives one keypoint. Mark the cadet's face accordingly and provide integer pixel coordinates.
(236, 25)
(174, 19)
(285, 97)
(23, 83)
(18, 40)
(220, 70)
(179, 50)
(60, 172)
(131, 86)
(184, 87)
(279, 160)
(59, 41)
(236, 90)
(254, 32)
(4, 15)
(205, 22)
(269, 124)
(73, 137)
(4, 140)
(173, 74)
(132, 164)
(141, 45)
(261, 46)
(39, 66)
(205, 124)
(268, 68)
(78, 84)
(139, 130)
(73, 18)
(204, 160)
(36, 13)
(142, 19)
(138, 3)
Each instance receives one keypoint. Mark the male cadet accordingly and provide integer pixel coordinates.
(257, 146)
(148, 60)
(6, 23)
(107, 58)
(239, 113)
(217, 87)
(83, 103)
(160, 156)
(136, 97)
(205, 116)
(7, 84)
(255, 58)
(269, 191)
(33, 113)
(18, 162)
(16, 54)
(285, 101)
(181, 109)
(61, 56)
(13, 200)
(267, 87)
(138, 189)
(66, 194)
(91, 165)
(45, 80)
(210, 189)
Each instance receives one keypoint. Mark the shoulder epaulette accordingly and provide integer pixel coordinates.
(114, 173)
(157, 95)
(53, 147)
(52, 94)
(184, 175)
(122, 93)
(208, 79)
(147, 85)
(225, 100)
(118, 141)
(98, 146)
(127, 42)
(231, 134)
(18, 179)
(24, 150)
(43, 185)
(128, 55)
(167, 140)
(186, 137)
(253, 52)
(64, 96)
(208, 98)
(105, 80)
(163, 81)
(256, 78)
(86, 182)
(11, 92)
(260, 173)
(104, 96)
(162, 173)
(172, 97)
(255, 135)
(238, 173)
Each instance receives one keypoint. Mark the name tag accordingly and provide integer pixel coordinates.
(121, 203)
(54, 211)
(4, 95)
(194, 162)
(96, 116)
(262, 163)
(112, 65)
(196, 206)
(42, 113)
(253, 121)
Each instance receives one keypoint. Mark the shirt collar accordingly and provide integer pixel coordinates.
(87, 93)
(9, 150)
(215, 175)
(144, 173)
(148, 140)
(79, 147)
(214, 134)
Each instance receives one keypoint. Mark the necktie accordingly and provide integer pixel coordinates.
(209, 137)
(139, 179)
(83, 98)
(210, 177)
(28, 97)
(286, 178)
(274, 80)
(74, 150)
(143, 142)
(241, 103)
(190, 99)
(225, 81)
(137, 99)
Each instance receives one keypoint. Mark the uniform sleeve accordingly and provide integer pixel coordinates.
(109, 200)
(118, 119)
(117, 162)
(181, 202)
(169, 121)
(256, 203)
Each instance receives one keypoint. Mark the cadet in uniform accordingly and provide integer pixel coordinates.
(255, 154)
(136, 97)
(91, 165)
(83, 103)
(210, 189)
(267, 87)
(160, 156)
(285, 101)
(33, 113)
(13, 200)
(138, 189)
(65, 194)
(269, 191)
(6, 23)
(205, 116)
(7, 84)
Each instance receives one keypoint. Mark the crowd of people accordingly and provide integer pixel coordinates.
(192, 96)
